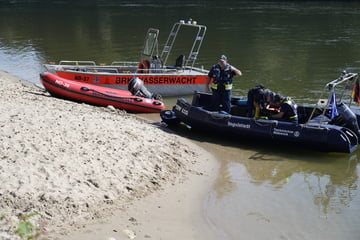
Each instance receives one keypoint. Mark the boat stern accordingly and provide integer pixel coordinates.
(169, 117)
(342, 139)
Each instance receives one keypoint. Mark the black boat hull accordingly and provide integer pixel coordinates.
(321, 137)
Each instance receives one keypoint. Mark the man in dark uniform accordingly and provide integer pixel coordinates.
(288, 109)
(220, 76)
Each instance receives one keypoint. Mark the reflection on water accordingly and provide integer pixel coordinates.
(311, 190)
(325, 171)
(331, 181)
(21, 59)
(294, 48)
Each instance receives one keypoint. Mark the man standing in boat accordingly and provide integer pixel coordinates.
(221, 77)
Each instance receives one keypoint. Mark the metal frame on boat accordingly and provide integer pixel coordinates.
(179, 78)
(330, 125)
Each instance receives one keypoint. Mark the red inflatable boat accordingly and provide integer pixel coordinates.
(134, 101)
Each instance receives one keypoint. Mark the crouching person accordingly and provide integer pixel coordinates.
(287, 111)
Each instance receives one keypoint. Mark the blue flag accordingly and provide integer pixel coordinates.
(333, 109)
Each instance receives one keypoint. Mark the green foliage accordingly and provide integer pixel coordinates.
(24, 229)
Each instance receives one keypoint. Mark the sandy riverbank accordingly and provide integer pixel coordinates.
(78, 165)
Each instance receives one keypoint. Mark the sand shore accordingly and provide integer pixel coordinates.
(96, 173)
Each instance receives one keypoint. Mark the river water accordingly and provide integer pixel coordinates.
(294, 48)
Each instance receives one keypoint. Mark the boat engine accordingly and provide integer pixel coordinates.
(346, 118)
(137, 88)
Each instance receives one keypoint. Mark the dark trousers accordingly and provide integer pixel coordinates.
(250, 105)
(221, 97)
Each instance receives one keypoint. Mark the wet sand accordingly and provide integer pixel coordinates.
(96, 173)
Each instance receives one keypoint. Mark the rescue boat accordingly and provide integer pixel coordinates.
(138, 99)
(179, 77)
(319, 128)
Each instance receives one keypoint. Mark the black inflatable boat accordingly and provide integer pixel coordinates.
(315, 130)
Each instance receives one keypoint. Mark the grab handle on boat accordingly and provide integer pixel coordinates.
(85, 89)
(266, 122)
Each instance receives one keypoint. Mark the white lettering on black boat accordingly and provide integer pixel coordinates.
(181, 109)
(285, 132)
(238, 125)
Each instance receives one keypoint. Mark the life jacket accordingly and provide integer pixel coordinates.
(290, 115)
(221, 78)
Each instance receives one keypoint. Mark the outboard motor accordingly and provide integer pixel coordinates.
(346, 118)
(137, 88)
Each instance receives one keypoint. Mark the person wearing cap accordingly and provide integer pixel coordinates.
(221, 77)
(288, 109)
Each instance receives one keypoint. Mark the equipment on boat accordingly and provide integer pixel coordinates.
(101, 96)
(330, 125)
(346, 118)
(137, 88)
(165, 73)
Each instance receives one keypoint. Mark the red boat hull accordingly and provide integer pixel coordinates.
(97, 95)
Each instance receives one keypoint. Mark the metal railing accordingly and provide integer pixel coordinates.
(345, 79)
